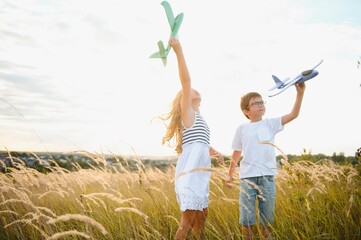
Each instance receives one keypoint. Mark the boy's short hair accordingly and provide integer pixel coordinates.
(245, 99)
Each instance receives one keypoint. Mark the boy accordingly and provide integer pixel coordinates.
(258, 166)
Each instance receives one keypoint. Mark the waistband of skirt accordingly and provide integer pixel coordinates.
(194, 144)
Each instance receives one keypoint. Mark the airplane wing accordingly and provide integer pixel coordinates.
(287, 85)
(177, 23)
(317, 64)
(273, 88)
(169, 12)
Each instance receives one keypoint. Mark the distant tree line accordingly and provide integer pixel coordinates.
(44, 162)
(339, 158)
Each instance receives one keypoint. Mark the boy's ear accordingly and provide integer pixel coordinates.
(245, 112)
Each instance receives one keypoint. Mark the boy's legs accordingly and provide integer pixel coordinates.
(248, 194)
(247, 232)
(267, 204)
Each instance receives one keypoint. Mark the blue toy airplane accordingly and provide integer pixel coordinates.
(283, 85)
(174, 24)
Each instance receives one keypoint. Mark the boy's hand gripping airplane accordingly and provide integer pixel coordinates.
(174, 24)
(283, 85)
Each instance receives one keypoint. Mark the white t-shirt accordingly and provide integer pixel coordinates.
(258, 159)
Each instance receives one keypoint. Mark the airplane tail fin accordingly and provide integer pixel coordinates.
(277, 81)
(162, 53)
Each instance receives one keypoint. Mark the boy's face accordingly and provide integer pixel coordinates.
(256, 108)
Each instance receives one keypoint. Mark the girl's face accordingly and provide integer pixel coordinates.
(196, 97)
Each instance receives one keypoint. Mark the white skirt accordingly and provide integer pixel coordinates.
(192, 177)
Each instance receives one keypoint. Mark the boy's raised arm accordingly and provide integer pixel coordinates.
(297, 106)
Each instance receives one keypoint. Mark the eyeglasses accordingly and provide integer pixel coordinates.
(256, 104)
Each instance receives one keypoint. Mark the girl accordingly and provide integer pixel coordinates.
(192, 137)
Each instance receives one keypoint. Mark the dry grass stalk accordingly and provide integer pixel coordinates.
(160, 191)
(80, 203)
(27, 222)
(9, 211)
(9, 201)
(173, 218)
(220, 190)
(105, 195)
(47, 210)
(282, 153)
(2, 165)
(134, 210)
(302, 182)
(17, 192)
(193, 170)
(230, 200)
(97, 158)
(68, 233)
(351, 202)
(79, 217)
(28, 192)
(91, 200)
(51, 192)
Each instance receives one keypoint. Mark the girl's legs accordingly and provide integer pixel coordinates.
(187, 220)
(192, 219)
(199, 223)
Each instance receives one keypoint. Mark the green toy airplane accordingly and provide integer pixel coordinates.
(174, 24)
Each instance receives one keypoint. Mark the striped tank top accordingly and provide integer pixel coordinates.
(199, 132)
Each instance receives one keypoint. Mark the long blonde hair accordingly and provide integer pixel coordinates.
(174, 128)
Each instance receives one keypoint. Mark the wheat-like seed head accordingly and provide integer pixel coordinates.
(68, 233)
(230, 200)
(9, 211)
(79, 217)
(134, 210)
(60, 194)
(27, 222)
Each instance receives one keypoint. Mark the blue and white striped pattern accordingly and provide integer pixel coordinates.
(199, 132)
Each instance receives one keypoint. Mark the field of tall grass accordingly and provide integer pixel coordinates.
(314, 201)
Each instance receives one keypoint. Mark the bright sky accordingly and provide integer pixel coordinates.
(79, 75)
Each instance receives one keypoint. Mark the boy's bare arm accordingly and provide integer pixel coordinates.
(234, 161)
(297, 106)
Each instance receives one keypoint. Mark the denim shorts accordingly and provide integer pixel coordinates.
(261, 190)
